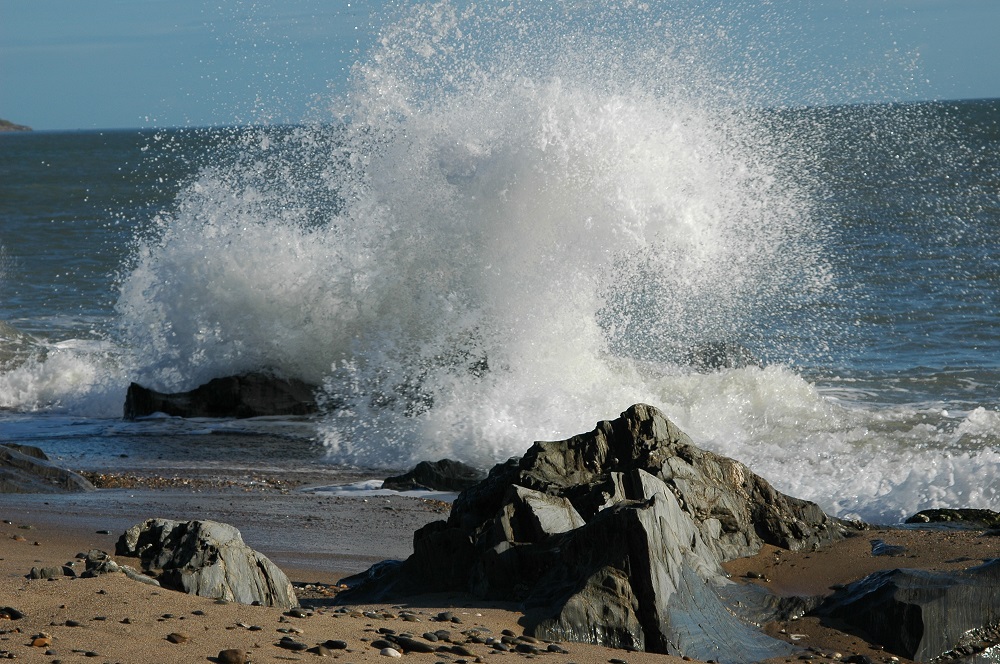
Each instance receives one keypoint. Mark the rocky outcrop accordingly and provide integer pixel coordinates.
(965, 518)
(443, 475)
(7, 125)
(922, 615)
(246, 395)
(208, 559)
(26, 469)
(613, 537)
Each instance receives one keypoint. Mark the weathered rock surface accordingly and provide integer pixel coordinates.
(614, 537)
(443, 475)
(208, 559)
(919, 614)
(246, 395)
(958, 518)
(26, 469)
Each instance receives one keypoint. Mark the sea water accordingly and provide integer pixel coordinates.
(509, 227)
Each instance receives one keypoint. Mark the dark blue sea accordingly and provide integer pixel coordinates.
(464, 264)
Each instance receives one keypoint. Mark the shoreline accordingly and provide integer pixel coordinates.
(319, 539)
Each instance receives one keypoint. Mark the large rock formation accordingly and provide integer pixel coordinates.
(208, 559)
(614, 537)
(923, 615)
(26, 469)
(246, 395)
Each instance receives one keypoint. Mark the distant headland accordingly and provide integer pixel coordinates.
(7, 125)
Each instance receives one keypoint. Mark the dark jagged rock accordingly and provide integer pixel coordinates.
(26, 469)
(208, 559)
(246, 395)
(443, 475)
(721, 355)
(919, 614)
(959, 518)
(613, 537)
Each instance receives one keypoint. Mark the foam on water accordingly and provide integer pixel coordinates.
(516, 222)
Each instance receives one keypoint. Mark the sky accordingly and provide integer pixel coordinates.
(103, 64)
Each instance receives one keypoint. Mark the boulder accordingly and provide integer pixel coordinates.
(614, 537)
(246, 395)
(921, 615)
(443, 475)
(972, 519)
(208, 559)
(26, 469)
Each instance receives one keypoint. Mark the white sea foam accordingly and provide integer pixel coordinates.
(511, 226)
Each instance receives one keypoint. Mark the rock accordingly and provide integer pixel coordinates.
(232, 656)
(880, 548)
(288, 643)
(10, 613)
(26, 469)
(178, 637)
(443, 475)
(246, 395)
(919, 614)
(717, 355)
(208, 559)
(614, 537)
(51, 572)
(959, 518)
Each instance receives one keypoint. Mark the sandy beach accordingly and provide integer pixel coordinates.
(317, 540)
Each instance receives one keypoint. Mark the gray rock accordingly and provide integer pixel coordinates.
(919, 614)
(968, 518)
(443, 475)
(246, 395)
(208, 559)
(26, 469)
(614, 537)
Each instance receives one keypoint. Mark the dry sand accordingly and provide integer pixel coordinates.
(318, 540)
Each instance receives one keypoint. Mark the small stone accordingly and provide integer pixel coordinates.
(199, 612)
(390, 652)
(41, 641)
(288, 643)
(335, 644)
(556, 648)
(232, 656)
(526, 648)
(178, 637)
(72, 623)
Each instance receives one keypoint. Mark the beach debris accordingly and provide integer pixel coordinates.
(561, 529)
(206, 558)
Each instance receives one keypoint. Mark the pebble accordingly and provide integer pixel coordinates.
(232, 656)
(334, 644)
(526, 648)
(390, 652)
(178, 637)
(41, 641)
(288, 643)
(556, 648)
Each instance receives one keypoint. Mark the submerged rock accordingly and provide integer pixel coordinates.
(918, 614)
(717, 355)
(613, 537)
(246, 395)
(443, 475)
(26, 469)
(208, 559)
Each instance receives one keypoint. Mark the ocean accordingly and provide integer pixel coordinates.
(475, 248)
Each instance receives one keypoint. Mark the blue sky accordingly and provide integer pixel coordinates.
(70, 64)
